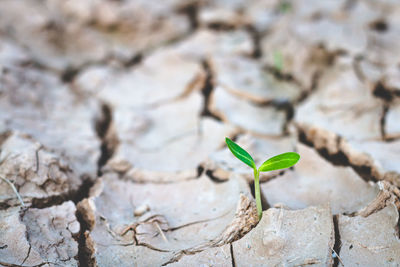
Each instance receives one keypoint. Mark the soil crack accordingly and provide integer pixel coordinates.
(338, 243)
(28, 254)
(330, 146)
(191, 10)
(16, 265)
(256, 37)
(86, 248)
(73, 195)
(245, 219)
(232, 255)
(388, 194)
(107, 135)
(207, 90)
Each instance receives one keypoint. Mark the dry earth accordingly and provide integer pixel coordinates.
(112, 123)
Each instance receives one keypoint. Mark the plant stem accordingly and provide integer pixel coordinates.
(257, 193)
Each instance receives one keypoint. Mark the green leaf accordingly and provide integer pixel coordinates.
(240, 153)
(280, 161)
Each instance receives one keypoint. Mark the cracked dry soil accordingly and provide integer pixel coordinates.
(112, 123)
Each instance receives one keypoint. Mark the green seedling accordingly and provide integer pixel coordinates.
(281, 161)
(278, 61)
(284, 7)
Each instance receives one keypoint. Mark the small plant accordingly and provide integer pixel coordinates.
(278, 61)
(284, 7)
(278, 162)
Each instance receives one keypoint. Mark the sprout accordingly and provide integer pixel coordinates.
(281, 161)
(278, 61)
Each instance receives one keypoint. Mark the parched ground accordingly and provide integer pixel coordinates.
(113, 116)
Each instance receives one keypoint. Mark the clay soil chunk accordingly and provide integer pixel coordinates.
(15, 248)
(314, 181)
(296, 58)
(11, 53)
(206, 43)
(392, 121)
(219, 256)
(370, 241)
(375, 155)
(277, 240)
(343, 105)
(147, 85)
(42, 237)
(246, 115)
(246, 78)
(37, 103)
(170, 142)
(174, 220)
(99, 29)
(37, 173)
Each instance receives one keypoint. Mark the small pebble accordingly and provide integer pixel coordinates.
(142, 209)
